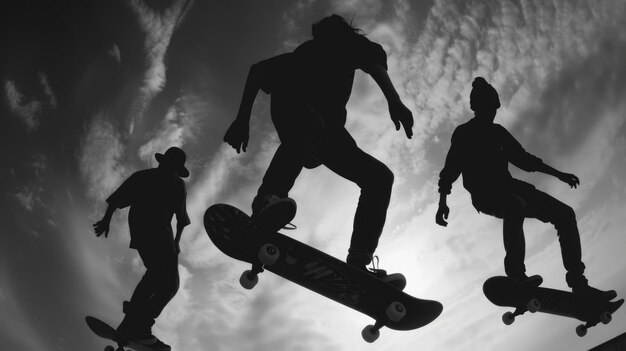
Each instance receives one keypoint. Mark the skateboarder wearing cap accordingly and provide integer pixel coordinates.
(481, 150)
(309, 89)
(154, 196)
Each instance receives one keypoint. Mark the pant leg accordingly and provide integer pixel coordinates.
(550, 210)
(297, 125)
(159, 284)
(341, 155)
(511, 208)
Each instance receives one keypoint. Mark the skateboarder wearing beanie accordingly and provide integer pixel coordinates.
(154, 196)
(309, 89)
(481, 150)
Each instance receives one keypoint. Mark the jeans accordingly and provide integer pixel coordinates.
(158, 285)
(522, 200)
(304, 133)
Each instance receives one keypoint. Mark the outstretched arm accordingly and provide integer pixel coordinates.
(237, 134)
(567, 178)
(399, 113)
(530, 163)
(102, 226)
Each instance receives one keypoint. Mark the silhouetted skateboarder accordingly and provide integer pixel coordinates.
(154, 196)
(310, 88)
(481, 150)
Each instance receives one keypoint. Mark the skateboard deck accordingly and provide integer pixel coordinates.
(239, 237)
(506, 292)
(106, 331)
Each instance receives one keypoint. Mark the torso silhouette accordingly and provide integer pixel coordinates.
(154, 196)
(481, 152)
(321, 73)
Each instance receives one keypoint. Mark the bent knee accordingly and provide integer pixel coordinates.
(564, 217)
(379, 179)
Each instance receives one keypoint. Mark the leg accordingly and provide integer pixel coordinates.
(511, 209)
(155, 289)
(167, 286)
(513, 237)
(297, 125)
(340, 154)
(550, 210)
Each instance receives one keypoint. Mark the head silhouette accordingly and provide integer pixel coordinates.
(173, 159)
(484, 99)
(333, 28)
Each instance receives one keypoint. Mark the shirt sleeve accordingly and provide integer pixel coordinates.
(125, 194)
(367, 53)
(518, 156)
(452, 168)
(182, 218)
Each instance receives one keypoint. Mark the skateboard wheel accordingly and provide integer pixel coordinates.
(395, 311)
(533, 305)
(581, 330)
(370, 333)
(606, 317)
(508, 318)
(109, 348)
(248, 280)
(268, 255)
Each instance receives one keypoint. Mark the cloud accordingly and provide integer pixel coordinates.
(27, 199)
(171, 132)
(47, 89)
(27, 111)
(101, 158)
(159, 26)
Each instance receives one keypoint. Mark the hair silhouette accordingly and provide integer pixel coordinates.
(483, 95)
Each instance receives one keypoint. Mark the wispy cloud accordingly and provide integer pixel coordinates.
(101, 158)
(27, 111)
(158, 26)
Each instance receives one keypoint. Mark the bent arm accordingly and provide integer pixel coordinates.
(250, 91)
(381, 77)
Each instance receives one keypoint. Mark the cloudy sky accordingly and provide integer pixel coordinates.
(89, 91)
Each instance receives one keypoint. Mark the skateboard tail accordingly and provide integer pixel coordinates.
(428, 311)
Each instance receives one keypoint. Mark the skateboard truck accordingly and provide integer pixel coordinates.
(533, 305)
(605, 318)
(268, 255)
(394, 312)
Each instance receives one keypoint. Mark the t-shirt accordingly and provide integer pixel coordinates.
(481, 152)
(154, 196)
(322, 73)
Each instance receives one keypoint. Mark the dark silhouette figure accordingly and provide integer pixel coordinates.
(154, 196)
(481, 150)
(309, 90)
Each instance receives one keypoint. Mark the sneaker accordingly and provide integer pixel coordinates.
(588, 291)
(397, 280)
(272, 212)
(533, 280)
(157, 345)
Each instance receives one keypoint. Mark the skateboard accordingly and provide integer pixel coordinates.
(239, 237)
(106, 331)
(506, 292)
